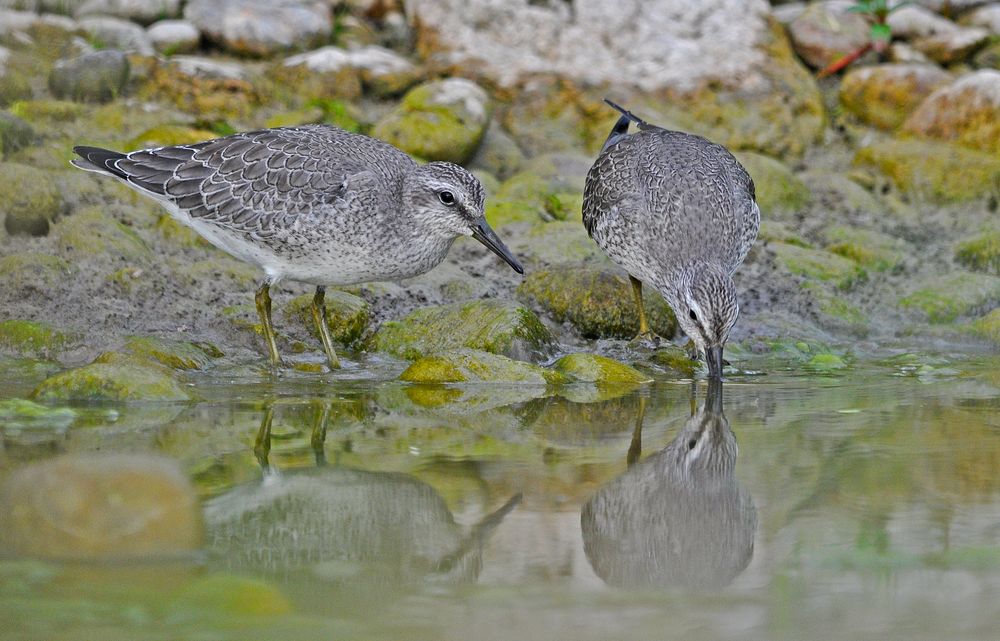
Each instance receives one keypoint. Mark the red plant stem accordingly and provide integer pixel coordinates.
(842, 62)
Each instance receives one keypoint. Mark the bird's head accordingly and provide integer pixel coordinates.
(446, 199)
(707, 310)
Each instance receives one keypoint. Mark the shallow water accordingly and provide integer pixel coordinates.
(863, 504)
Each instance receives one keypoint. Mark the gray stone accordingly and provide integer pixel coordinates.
(12, 22)
(201, 67)
(173, 36)
(117, 33)
(144, 11)
(987, 17)
(652, 44)
(827, 31)
(936, 37)
(789, 11)
(14, 132)
(93, 77)
(498, 153)
(254, 28)
(382, 71)
(29, 199)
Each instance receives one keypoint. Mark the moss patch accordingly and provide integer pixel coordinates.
(172, 353)
(169, 135)
(600, 370)
(47, 112)
(884, 95)
(29, 199)
(495, 326)
(231, 595)
(93, 232)
(475, 366)
(981, 253)
(33, 339)
(597, 301)
(818, 264)
(556, 243)
(870, 249)
(347, 315)
(942, 299)
(21, 413)
(988, 326)
(778, 190)
(111, 382)
(34, 270)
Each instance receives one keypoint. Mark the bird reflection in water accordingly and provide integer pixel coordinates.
(381, 528)
(677, 518)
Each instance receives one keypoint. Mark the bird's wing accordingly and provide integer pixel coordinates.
(262, 181)
(612, 195)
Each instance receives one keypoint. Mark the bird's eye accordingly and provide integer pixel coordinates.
(693, 316)
(447, 198)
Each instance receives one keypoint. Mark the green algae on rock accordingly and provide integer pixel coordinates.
(596, 300)
(169, 135)
(476, 366)
(834, 312)
(884, 95)
(22, 413)
(591, 368)
(119, 381)
(440, 120)
(348, 316)
(172, 353)
(93, 232)
(778, 190)
(966, 112)
(870, 249)
(980, 253)
(34, 270)
(47, 112)
(33, 339)
(15, 133)
(29, 199)
(988, 326)
(496, 326)
(230, 595)
(818, 264)
(944, 298)
(674, 358)
(556, 243)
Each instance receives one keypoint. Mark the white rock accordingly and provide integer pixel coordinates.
(58, 21)
(987, 17)
(144, 11)
(380, 61)
(652, 44)
(452, 92)
(322, 60)
(119, 34)
(200, 67)
(251, 27)
(917, 22)
(15, 21)
(785, 13)
(174, 36)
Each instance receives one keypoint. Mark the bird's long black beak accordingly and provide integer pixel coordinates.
(713, 358)
(485, 234)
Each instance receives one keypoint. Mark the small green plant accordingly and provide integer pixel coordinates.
(880, 33)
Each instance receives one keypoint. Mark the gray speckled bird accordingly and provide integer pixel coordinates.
(313, 203)
(677, 212)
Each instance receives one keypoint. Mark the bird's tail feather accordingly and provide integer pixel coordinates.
(99, 160)
(627, 114)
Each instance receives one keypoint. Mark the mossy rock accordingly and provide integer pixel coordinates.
(870, 249)
(230, 595)
(979, 254)
(15, 85)
(21, 413)
(29, 199)
(112, 381)
(47, 112)
(988, 327)
(170, 135)
(772, 231)
(778, 190)
(885, 95)
(942, 299)
(95, 76)
(498, 153)
(597, 301)
(33, 339)
(591, 368)
(966, 112)
(819, 265)
(834, 312)
(15, 133)
(348, 316)
(503, 212)
(556, 243)
(495, 326)
(551, 184)
(674, 358)
(937, 171)
(304, 116)
(826, 363)
(476, 366)
(34, 270)
(93, 232)
(440, 120)
(172, 353)
(343, 83)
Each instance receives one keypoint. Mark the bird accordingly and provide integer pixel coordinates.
(679, 213)
(678, 518)
(312, 203)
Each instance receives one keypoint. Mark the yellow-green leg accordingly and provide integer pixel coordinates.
(319, 317)
(635, 446)
(645, 334)
(262, 443)
(263, 300)
(318, 437)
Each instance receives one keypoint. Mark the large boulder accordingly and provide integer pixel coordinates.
(884, 95)
(966, 112)
(252, 28)
(144, 11)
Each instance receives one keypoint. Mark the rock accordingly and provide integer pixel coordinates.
(118, 34)
(34, 272)
(944, 298)
(100, 508)
(93, 77)
(778, 190)
(168, 135)
(29, 200)
(173, 36)
(475, 366)
(556, 243)
(825, 363)
(988, 326)
(15, 82)
(44, 112)
(675, 359)
(551, 184)
(788, 11)
(384, 72)
(826, 31)
(818, 265)
(885, 95)
(440, 120)
(229, 595)
(980, 253)
(926, 169)
(347, 316)
(18, 414)
(987, 17)
(15, 133)
(498, 154)
(13, 22)
(93, 232)
(900, 52)
(172, 353)
(870, 249)
(988, 57)
(600, 370)
(831, 309)
(597, 301)
(253, 28)
(142, 11)
(966, 112)
(209, 68)
(112, 381)
(33, 339)
(495, 326)
(938, 38)
(322, 74)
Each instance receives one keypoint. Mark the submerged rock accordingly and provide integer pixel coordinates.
(440, 120)
(980, 253)
(596, 300)
(476, 366)
(885, 95)
(33, 339)
(253, 28)
(591, 368)
(347, 315)
(966, 112)
(172, 353)
(944, 298)
(100, 76)
(112, 381)
(29, 199)
(495, 326)
(100, 507)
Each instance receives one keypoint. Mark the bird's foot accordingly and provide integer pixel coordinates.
(646, 339)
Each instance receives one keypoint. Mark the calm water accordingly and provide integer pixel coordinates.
(859, 505)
